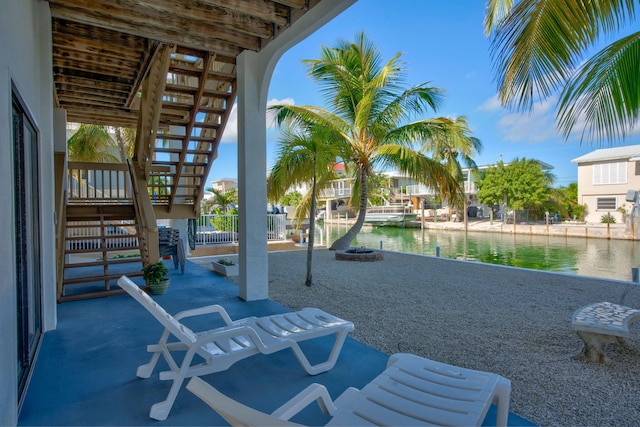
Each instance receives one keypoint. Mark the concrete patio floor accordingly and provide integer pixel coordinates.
(86, 369)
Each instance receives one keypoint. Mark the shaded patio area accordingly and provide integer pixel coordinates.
(86, 370)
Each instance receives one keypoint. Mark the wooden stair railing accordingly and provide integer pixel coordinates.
(101, 232)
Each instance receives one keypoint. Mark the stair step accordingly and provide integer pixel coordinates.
(91, 295)
(87, 279)
(108, 262)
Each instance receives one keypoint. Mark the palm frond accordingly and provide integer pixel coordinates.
(604, 93)
(538, 44)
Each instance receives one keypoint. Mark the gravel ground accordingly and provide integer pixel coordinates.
(510, 321)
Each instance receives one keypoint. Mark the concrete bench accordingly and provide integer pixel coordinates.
(601, 324)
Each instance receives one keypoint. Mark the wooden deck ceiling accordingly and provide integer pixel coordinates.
(164, 67)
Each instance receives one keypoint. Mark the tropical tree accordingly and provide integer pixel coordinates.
(566, 202)
(92, 143)
(520, 184)
(291, 199)
(306, 153)
(540, 47)
(126, 141)
(372, 113)
(453, 147)
(223, 199)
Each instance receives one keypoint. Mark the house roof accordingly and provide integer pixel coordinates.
(603, 154)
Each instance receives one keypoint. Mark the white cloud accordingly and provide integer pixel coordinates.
(230, 135)
(491, 105)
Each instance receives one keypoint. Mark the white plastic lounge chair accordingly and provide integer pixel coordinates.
(411, 391)
(222, 347)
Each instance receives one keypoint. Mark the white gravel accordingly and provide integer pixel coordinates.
(511, 321)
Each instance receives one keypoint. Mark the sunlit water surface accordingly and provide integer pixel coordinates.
(611, 259)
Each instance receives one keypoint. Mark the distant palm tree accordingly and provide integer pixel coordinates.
(305, 154)
(453, 148)
(371, 113)
(542, 46)
(92, 143)
(224, 199)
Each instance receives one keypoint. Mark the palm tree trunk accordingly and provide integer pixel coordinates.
(345, 241)
(312, 224)
(121, 147)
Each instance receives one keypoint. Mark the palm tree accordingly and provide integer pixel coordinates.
(92, 143)
(126, 141)
(305, 154)
(542, 46)
(224, 199)
(371, 115)
(452, 147)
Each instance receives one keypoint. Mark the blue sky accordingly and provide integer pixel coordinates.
(443, 43)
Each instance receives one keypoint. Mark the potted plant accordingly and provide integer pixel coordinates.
(156, 276)
(225, 267)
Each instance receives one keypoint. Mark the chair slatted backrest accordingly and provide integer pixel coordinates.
(179, 330)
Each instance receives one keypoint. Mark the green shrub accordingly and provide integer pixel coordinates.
(607, 219)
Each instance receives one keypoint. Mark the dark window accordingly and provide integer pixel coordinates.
(26, 193)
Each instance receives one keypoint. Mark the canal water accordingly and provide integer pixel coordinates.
(611, 259)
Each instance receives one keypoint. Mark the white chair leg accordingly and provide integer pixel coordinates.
(323, 366)
(145, 371)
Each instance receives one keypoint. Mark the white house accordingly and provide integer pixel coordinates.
(33, 133)
(604, 178)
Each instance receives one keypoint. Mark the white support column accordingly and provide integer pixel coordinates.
(252, 173)
(254, 75)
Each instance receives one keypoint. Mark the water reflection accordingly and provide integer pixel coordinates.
(612, 259)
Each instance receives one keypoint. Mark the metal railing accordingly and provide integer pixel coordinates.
(223, 229)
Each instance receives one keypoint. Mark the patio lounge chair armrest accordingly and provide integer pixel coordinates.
(235, 413)
(205, 310)
(313, 393)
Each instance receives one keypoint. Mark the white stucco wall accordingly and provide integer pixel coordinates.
(25, 60)
(588, 193)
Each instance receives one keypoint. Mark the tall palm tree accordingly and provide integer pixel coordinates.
(542, 46)
(92, 143)
(372, 112)
(126, 141)
(455, 145)
(305, 154)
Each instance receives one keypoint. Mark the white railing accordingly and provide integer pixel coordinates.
(423, 190)
(86, 235)
(220, 229)
(334, 193)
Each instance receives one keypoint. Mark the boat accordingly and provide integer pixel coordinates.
(389, 214)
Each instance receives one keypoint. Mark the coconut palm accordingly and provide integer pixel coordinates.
(453, 147)
(542, 46)
(371, 113)
(126, 141)
(92, 143)
(305, 154)
(224, 199)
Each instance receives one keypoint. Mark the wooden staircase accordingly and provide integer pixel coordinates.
(102, 243)
(107, 228)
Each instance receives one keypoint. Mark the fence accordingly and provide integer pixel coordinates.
(223, 229)
(87, 235)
